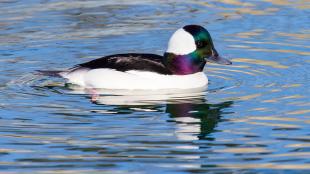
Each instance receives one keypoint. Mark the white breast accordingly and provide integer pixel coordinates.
(112, 79)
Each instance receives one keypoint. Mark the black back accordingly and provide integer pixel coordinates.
(130, 61)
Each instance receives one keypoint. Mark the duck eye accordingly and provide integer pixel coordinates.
(200, 44)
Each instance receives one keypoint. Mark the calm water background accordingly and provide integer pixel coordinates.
(254, 117)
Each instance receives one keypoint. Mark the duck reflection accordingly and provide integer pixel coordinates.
(195, 118)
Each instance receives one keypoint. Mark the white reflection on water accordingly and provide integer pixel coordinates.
(140, 97)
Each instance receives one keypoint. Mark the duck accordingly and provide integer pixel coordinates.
(180, 67)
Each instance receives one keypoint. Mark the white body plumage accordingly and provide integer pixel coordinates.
(112, 79)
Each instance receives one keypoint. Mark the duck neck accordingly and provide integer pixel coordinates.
(183, 64)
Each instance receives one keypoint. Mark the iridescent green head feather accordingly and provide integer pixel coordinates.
(188, 50)
(203, 40)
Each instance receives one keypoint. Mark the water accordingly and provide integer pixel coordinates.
(253, 118)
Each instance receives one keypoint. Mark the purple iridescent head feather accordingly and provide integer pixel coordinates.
(189, 49)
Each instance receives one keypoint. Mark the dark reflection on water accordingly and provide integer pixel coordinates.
(207, 115)
(253, 118)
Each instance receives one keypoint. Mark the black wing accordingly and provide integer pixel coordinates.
(131, 61)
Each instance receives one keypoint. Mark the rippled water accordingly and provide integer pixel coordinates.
(254, 117)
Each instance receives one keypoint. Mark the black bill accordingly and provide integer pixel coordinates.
(215, 58)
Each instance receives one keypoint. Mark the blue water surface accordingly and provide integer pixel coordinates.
(253, 118)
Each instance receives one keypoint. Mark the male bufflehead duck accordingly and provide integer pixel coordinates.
(181, 66)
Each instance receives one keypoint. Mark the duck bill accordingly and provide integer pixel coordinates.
(216, 58)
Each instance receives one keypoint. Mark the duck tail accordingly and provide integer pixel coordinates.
(49, 73)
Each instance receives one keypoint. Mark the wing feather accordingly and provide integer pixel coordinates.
(127, 62)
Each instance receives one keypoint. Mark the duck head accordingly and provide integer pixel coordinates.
(189, 49)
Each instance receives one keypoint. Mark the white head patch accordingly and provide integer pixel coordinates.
(181, 43)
